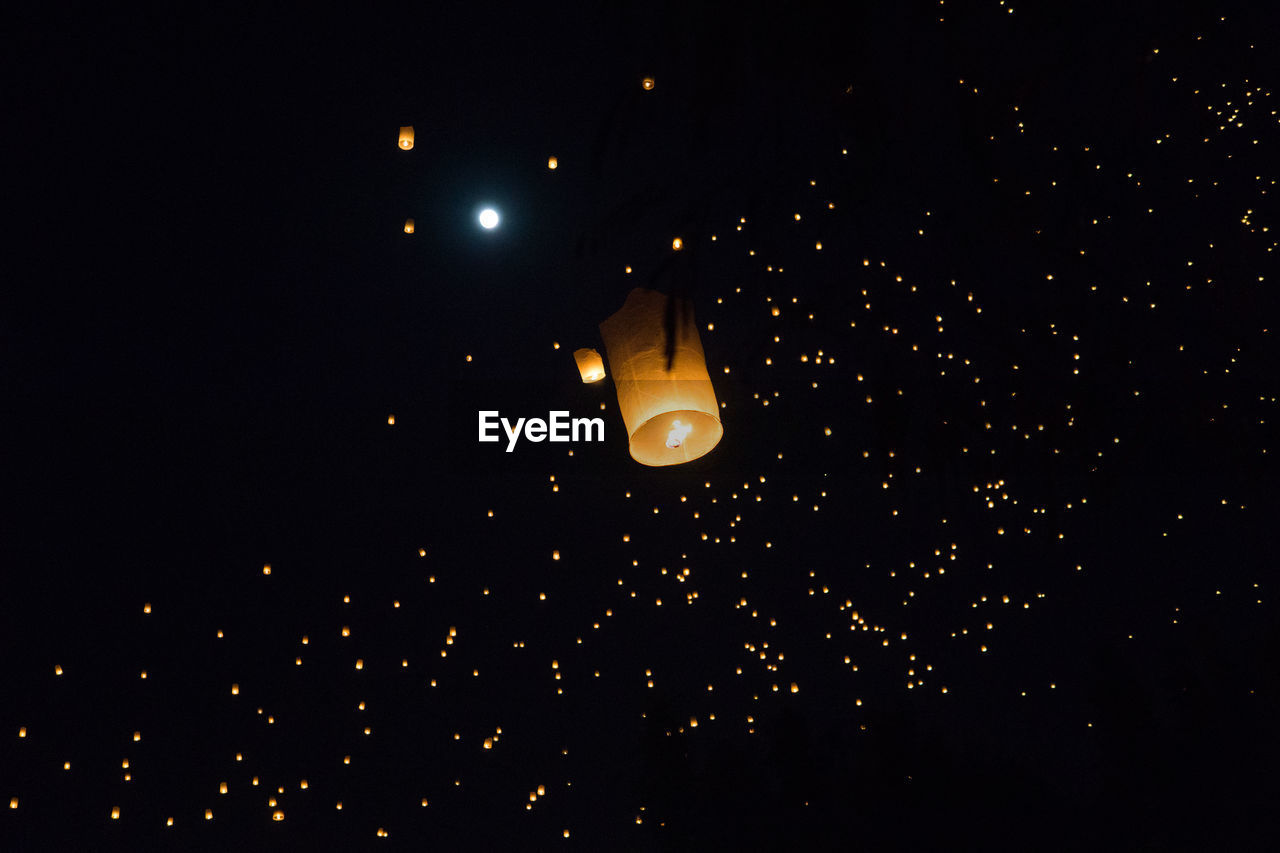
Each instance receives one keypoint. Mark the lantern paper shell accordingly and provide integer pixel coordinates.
(406, 137)
(408, 226)
(660, 372)
(590, 364)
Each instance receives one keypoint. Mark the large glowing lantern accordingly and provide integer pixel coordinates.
(660, 372)
(590, 365)
(408, 226)
(406, 137)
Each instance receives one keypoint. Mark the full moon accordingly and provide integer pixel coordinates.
(489, 218)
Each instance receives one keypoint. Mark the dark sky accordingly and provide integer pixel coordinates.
(1040, 330)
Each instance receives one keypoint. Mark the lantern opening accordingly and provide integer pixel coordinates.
(673, 437)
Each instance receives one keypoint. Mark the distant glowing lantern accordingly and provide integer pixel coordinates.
(677, 243)
(590, 364)
(408, 226)
(660, 372)
(406, 138)
(647, 83)
(552, 162)
(277, 815)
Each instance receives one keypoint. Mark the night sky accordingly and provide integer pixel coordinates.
(983, 560)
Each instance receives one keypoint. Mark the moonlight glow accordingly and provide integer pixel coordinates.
(488, 218)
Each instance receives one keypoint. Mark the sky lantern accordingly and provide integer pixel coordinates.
(660, 372)
(590, 364)
(406, 138)
(408, 226)
(647, 83)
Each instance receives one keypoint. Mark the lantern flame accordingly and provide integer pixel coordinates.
(678, 433)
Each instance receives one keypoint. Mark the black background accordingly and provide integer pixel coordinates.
(210, 310)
